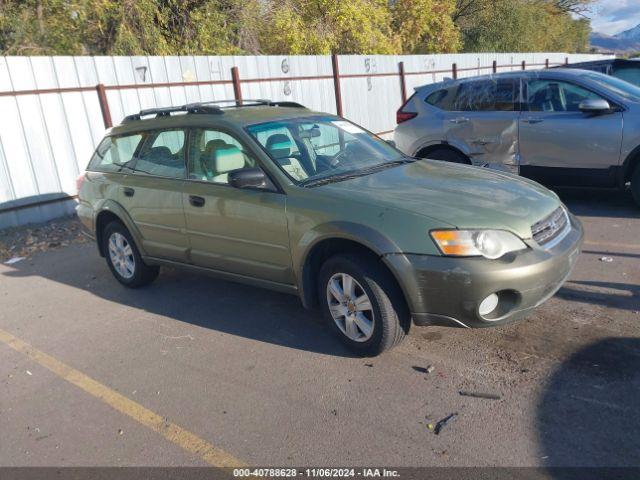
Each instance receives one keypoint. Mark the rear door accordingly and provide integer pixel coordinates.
(152, 194)
(239, 231)
(483, 121)
(560, 145)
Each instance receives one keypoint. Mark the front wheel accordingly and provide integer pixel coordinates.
(362, 304)
(635, 185)
(124, 259)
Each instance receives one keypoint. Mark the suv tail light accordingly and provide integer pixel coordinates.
(80, 181)
(402, 116)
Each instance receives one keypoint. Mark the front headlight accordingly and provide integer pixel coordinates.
(474, 243)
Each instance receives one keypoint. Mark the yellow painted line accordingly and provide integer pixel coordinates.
(630, 246)
(172, 432)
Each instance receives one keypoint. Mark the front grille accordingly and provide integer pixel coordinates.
(552, 227)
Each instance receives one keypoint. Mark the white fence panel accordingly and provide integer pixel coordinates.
(46, 138)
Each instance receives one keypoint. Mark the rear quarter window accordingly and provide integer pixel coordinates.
(113, 153)
(443, 98)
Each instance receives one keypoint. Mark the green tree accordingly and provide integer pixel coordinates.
(325, 26)
(522, 26)
(426, 26)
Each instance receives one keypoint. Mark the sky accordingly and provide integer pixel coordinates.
(614, 16)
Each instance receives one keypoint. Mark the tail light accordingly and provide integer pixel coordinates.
(80, 181)
(401, 115)
(404, 116)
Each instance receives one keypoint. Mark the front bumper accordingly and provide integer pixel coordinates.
(448, 291)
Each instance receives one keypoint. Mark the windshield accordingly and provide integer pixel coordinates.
(312, 149)
(622, 88)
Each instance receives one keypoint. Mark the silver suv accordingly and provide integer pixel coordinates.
(559, 127)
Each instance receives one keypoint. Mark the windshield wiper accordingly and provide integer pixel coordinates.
(356, 173)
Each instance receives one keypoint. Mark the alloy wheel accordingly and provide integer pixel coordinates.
(350, 307)
(121, 255)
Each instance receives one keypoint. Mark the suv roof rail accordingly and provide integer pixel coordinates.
(208, 107)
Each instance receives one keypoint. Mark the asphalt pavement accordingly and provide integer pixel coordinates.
(196, 371)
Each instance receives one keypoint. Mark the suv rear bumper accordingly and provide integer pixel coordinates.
(448, 291)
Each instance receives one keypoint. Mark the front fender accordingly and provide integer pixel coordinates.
(378, 243)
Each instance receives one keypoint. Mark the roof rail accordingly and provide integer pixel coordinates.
(208, 107)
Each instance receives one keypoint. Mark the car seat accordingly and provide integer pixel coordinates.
(225, 160)
(279, 147)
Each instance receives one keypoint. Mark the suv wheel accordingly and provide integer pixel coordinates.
(446, 155)
(124, 258)
(362, 304)
(635, 185)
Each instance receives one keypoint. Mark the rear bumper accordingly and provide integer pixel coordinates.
(448, 291)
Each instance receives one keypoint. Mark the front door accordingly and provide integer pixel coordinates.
(560, 145)
(152, 194)
(238, 231)
(483, 122)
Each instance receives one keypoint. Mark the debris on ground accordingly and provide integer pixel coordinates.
(29, 373)
(13, 260)
(22, 242)
(443, 423)
(489, 396)
(430, 426)
(370, 365)
(606, 259)
(429, 369)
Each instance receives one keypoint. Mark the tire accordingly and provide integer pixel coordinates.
(130, 261)
(446, 155)
(388, 315)
(635, 185)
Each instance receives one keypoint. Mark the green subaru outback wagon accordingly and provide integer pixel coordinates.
(278, 196)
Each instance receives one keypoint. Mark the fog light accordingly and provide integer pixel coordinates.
(488, 305)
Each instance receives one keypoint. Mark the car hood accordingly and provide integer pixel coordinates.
(459, 195)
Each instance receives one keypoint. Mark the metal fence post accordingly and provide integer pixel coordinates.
(524, 65)
(566, 60)
(546, 63)
(494, 66)
(336, 83)
(403, 85)
(454, 70)
(237, 88)
(104, 105)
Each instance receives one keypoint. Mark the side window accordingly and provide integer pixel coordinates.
(213, 154)
(162, 154)
(113, 153)
(556, 96)
(488, 95)
(628, 74)
(442, 99)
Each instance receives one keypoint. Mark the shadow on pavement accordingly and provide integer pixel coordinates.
(599, 202)
(624, 296)
(588, 414)
(227, 307)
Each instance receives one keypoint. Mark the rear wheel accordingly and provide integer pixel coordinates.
(123, 257)
(446, 155)
(635, 185)
(362, 304)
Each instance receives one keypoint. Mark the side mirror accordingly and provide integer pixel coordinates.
(248, 178)
(391, 142)
(594, 105)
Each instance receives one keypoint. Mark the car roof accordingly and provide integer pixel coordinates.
(240, 116)
(554, 73)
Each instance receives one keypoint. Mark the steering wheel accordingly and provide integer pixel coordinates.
(338, 158)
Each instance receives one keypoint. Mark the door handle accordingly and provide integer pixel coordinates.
(532, 120)
(196, 201)
(128, 191)
(459, 120)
